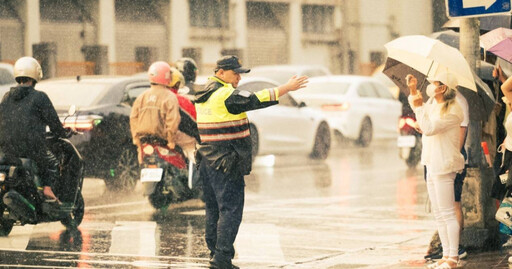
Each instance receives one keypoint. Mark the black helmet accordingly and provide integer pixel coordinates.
(188, 67)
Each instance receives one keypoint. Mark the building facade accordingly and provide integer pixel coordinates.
(124, 36)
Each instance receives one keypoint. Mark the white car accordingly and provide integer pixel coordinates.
(6, 78)
(357, 107)
(288, 127)
(281, 73)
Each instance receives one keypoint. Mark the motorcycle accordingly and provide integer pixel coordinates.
(409, 141)
(22, 200)
(164, 174)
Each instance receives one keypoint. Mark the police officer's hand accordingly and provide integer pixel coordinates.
(293, 84)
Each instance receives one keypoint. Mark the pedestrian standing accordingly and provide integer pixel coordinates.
(225, 153)
(499, 188)
(440, 125)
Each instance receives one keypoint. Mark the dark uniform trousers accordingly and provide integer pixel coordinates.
(224, 198)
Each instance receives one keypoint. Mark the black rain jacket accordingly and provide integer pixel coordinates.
(24, 115)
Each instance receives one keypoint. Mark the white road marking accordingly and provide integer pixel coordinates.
(259, 242)
(134, 237)
(18, 238)
(88, 208)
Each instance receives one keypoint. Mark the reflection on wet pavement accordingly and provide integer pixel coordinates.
(359, 208)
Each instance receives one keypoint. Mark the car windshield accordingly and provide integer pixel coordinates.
(281, 76)
(83, 94)
(326, 88)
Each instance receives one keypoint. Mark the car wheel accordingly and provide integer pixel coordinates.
(254, 141)
(76, 215)
(365, 134)
(5, 226)
(126, 173)
(322, 142)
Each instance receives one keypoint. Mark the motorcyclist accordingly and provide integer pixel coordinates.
(155, 113)
(24, 115)
(188, 135)
(188, 67)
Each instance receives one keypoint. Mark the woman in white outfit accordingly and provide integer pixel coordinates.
(439, 122)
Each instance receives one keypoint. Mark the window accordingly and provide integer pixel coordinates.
(138, 11)
(6, 77)
(366, 90)
(326, 88)
(382, 91)
(287, 100)
(133, 91)
(63, 11)
(209, 13)
(317, 19)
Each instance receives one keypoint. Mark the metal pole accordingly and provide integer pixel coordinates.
(478, 208)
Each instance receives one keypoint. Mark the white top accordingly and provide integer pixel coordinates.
(441, 137)
(465, 108)
(508, 128)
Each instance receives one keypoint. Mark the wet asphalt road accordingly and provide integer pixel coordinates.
(361, 208)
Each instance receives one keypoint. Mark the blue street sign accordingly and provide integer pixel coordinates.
(476, 8)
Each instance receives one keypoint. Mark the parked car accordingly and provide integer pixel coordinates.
(6, 78)
(104, 106)
(288, 127)
(357, 107)
(281, 73)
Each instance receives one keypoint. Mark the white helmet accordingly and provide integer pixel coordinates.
(28, 67)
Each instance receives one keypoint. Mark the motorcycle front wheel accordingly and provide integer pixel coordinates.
(159, 200)
(5, 227)
(75, 217)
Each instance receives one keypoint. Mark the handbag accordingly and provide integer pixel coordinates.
(504, 213)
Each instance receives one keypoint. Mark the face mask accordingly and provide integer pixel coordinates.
(431, 90)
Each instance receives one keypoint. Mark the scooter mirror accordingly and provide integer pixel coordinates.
(72, 110)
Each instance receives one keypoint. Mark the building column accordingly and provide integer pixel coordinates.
(107, 27)
(240, 26)
(295, 32)
(179, 25)
(32, 18)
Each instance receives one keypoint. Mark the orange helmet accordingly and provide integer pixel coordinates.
(160, 73)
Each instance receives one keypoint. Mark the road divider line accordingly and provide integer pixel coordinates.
(88, 208)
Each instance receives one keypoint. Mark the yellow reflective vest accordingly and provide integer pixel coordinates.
(223, 124)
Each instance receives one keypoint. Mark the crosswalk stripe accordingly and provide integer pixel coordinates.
(259, 242)
(134, 237)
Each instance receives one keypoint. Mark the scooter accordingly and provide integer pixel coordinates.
(22, 200)
(409, 141)
(164, 174)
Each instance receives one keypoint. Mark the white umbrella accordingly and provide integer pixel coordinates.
(430, 56)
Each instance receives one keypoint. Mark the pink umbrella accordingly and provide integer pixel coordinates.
(499, 42)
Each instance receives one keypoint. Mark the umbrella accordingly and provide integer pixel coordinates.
(451, 38)
(397, 71)
(487, 23)
(499, 42)
(430, 57)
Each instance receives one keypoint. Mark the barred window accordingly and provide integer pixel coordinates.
(317, 19)
(209, 13)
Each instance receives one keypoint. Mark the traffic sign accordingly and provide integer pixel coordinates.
(476, 8)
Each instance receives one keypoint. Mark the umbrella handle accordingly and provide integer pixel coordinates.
(428, 72)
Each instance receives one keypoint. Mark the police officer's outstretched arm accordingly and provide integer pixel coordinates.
(242, 101)
(49, 115)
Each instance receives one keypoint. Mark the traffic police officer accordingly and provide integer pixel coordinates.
(225, 153)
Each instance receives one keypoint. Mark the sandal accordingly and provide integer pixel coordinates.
(436, 264)
(445, 264)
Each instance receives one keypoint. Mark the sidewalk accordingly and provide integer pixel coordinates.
(483, 260)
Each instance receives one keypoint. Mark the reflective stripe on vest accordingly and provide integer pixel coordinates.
(214, 121)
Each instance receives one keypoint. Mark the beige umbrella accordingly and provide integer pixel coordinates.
(430, 57)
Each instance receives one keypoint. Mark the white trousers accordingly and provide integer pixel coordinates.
(442, 197)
